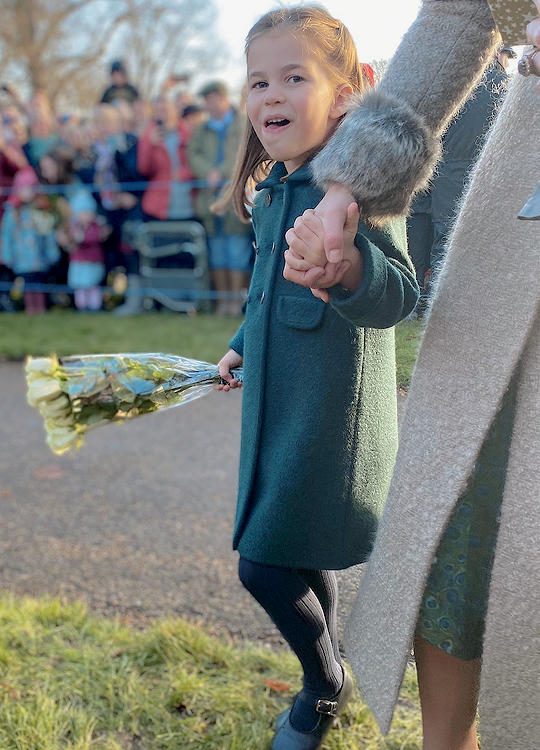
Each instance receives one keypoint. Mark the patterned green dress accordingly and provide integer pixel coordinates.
(454, 605)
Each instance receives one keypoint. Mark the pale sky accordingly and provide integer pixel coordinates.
(376, 25)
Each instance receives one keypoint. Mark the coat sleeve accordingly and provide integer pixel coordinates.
(388, 291)
(386, 148)
(237, 342)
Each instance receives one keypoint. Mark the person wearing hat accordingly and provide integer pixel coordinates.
(192, 116)
(212, 156)
(86, 254)
(120, 88)
(28, 241)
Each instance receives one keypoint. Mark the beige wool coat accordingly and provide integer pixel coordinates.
(484, 327)
(484, 324)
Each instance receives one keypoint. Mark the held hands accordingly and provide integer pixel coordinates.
(306, 259)
(231, 360)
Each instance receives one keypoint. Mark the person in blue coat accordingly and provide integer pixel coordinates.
(319, 423)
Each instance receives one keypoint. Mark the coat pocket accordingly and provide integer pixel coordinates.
(305, 314)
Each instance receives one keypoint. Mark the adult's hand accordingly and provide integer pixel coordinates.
(333, 212)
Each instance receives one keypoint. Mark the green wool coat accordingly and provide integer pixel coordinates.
(319, 421)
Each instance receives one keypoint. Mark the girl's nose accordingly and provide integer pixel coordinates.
(273, 95)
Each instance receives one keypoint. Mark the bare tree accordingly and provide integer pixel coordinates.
(49, 44)
(60, 46)
(379, 68)
(183, 40)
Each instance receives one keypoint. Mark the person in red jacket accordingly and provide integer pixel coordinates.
(161, 158)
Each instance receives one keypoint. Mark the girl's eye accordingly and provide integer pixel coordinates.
(296, 79)
(259, 85)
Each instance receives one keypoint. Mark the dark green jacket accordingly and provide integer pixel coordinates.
(319, 423)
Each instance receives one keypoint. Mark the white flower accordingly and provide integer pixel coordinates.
(60, 439)
(57, 407)
(63, 421)
(39, 366)
(43, 389)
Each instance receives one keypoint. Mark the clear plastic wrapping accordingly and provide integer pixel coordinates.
(76, 393)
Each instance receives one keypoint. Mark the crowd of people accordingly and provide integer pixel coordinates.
(71, 186)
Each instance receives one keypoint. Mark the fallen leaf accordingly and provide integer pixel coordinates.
(276, 686)
(6, 493)
(14, 693)
(48, 472)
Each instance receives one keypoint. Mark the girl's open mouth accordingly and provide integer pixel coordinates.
(275, 123)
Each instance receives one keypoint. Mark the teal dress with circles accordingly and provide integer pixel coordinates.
(454, 605)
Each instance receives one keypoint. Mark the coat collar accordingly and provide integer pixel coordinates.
(278, 175)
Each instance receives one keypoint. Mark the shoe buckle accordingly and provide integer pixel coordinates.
(326, 707)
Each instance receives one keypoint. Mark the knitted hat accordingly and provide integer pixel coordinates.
(82, 202)
(214, 87)
(118, 67)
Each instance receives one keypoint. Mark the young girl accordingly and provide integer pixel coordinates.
(86, 257)
(28, 240)
(319, 426)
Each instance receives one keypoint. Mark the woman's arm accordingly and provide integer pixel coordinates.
(386, 148)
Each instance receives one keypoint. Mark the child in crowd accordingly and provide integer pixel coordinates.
(319, 423)
(29, 246)
(86, 256)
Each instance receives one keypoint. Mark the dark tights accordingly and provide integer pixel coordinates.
(303, 606)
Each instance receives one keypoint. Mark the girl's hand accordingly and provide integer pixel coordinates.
(231, 360)
(319, 278)
(306, 242)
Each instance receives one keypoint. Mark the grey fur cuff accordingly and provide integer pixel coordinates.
(383, 151)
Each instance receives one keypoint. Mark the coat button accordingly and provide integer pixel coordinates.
(267, 199)
(263, 295)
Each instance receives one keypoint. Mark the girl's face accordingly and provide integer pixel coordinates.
(49, 169)
(292, 104)
(26, 193)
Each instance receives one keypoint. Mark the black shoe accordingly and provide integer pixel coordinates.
(288, 738)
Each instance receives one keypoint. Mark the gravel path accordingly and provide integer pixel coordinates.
(138, 523)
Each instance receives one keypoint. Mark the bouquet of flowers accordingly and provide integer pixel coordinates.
(76, 393)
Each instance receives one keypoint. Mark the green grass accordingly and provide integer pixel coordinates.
(408, 337)
(72, 681)
(201, 337)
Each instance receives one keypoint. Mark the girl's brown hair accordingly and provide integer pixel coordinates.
(332, 43)
(63, 156)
